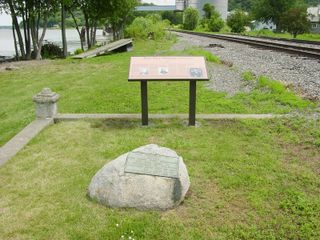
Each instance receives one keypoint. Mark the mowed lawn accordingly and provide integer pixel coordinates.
(100, 85)
(249, 180)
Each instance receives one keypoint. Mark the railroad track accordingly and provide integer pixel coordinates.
(280, 39)
(308, 51)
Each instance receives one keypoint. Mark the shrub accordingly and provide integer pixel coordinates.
(50, 50)
(215, 24)
(190, 18)
(150, 26)
(238, 21)
(78, 51)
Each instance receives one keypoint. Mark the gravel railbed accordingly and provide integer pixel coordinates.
(301, 72)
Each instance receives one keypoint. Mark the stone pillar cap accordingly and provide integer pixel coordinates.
(46, 96)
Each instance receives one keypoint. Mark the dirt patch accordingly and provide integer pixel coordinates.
(22, 65)
(206, 203)
(304, 154)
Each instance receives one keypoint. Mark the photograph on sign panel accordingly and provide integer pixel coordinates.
(144, 71)
(163, 70)
(196, 72)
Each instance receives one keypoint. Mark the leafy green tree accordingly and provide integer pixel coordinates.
(190, 18)
(174, 17)
(238, 20)
(119, 14)
(295, 21)
(212, 20)
(244, 5)
(209, 10)
(271, 10)
(31, 13)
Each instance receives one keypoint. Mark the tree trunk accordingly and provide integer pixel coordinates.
(78, 30)
(33, 31)
(25, 30)
(15, 43)
(95, 34)
(63, 31)
(40, 43)
(87, 29)
(28, 32)
(17, 28)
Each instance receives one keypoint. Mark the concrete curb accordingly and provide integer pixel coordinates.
(12, 147)
(71, 117)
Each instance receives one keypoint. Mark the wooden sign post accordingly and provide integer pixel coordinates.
(191, 69)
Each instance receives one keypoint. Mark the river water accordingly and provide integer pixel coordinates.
(52, 35)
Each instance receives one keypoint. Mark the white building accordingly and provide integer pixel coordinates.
(314, 17)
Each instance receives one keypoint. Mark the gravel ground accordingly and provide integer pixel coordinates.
(301, 72)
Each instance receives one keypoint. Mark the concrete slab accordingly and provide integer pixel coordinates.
(12, 147)
(65, 117)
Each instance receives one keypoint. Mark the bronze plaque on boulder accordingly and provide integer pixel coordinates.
(152, 164)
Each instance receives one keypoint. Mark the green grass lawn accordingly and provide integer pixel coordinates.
(249, 180)
(100, 85)
(268, 33)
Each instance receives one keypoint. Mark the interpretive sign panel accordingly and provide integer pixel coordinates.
(168, 68)
(152, 164)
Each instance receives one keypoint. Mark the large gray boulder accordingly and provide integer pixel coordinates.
(148, 178)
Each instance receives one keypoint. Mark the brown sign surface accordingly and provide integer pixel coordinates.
(168, 68)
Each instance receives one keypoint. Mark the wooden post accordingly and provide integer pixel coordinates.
(144, 102)
(192, 103)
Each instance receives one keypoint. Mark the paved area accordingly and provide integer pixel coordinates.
(12, 147)
(65, 117)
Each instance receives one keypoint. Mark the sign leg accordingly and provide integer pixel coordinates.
(144, 102)
(192, 103)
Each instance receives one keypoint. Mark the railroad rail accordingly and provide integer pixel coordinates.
(283, 39)
(308, 51)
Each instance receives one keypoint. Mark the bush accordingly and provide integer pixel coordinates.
(215, 24)
(150, 26)
(78, 51)
(190, 18)
(238, 21)
(50, 50)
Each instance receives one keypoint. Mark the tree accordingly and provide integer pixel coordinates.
(64, 4)
(212, 20)
(209, 10)
(295, 21)
(120, 12)
(32, 13)
(238, 20)
(244, 5)
(190, 18)
(174, 17)
(271, 10)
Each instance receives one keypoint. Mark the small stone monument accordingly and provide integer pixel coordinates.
(46, 103)
(148, 178)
